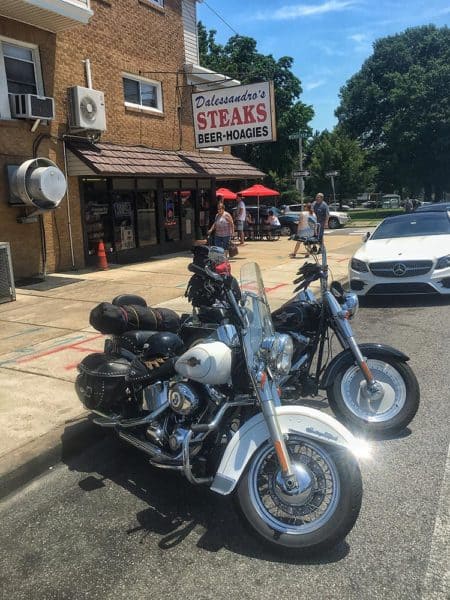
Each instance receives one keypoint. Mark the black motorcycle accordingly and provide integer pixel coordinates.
(369, 386)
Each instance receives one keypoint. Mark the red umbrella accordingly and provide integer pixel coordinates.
(259, 191)
(226, 194)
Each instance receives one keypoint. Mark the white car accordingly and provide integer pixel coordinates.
(407, 254)
(336, 219)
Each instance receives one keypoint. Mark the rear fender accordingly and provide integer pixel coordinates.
(302, 420)
(368, 351)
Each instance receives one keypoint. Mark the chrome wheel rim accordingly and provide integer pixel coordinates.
(316, 505)
(358, 400)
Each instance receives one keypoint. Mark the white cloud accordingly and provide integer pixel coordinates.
(359, 38)
(312, 85)
(305, 10)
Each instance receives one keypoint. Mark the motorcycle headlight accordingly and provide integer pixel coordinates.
(359, 265)
(443, 262)
(351, 304)
(281, 353)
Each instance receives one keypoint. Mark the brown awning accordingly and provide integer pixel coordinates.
(114, 159)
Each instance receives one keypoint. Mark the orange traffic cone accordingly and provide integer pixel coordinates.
(102, 263)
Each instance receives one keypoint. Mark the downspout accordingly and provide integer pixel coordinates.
(87, 69)
(69, 219)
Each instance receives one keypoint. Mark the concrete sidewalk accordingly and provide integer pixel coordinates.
(45, 333)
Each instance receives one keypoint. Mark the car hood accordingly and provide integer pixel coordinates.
(408, 248)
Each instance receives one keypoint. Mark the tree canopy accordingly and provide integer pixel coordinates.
(398, 107)
(239, 59)
(335, 151)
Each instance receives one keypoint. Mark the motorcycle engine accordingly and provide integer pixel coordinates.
(184, 399)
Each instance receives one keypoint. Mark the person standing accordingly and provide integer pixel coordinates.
(223, 228)
(306, 228)
(409, 206)
(241, 216)
(322, 212)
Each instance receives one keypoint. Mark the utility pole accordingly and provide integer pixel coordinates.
(300, 174)
(332, 175)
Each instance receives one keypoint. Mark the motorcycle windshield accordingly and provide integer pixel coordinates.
(257, 308)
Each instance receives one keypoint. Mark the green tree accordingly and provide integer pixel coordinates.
(398, 107)
(335, 151)
(239, 59)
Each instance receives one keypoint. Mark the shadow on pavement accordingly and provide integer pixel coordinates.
(176, 509)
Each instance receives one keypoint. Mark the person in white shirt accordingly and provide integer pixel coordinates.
(307, 227)
(241, 217)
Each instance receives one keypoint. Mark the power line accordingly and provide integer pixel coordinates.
(221, 18)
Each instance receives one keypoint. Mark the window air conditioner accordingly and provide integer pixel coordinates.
(31, 106)
(87, 109)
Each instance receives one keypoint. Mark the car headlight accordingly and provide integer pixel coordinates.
(359, 265)
(443, 262)
(350, 305)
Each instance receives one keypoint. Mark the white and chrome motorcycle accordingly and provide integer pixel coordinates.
(213, 413)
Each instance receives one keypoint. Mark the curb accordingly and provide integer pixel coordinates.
(24, 464)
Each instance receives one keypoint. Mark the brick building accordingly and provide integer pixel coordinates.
(121, 73)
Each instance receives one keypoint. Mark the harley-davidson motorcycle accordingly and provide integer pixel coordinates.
(369, 386)
(213, 413)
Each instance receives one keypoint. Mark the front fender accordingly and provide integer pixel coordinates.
(302, 420)
(368, 351)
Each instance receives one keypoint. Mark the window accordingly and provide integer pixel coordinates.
(20, 72)
(142, 93)
(157, 2)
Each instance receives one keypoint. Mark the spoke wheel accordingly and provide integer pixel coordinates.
(319, 488)
(320, 514)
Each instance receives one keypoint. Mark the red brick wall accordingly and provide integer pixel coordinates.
(123, 36)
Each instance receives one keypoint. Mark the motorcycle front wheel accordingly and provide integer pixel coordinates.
(388, 412)
(316, 518)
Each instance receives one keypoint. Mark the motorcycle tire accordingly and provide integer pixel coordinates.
(325, 510)
(395, 411)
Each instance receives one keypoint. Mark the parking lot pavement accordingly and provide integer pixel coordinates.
(45, 333)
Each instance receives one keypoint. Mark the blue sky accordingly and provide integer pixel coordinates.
(328, 39)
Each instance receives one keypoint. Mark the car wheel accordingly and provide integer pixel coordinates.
(333, 223)
(285, 230)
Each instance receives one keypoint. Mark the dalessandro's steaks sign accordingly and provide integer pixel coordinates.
(243, 114)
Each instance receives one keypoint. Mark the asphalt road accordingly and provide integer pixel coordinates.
(105, 525)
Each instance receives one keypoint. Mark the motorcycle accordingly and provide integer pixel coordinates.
(370, 386)
(213, 413)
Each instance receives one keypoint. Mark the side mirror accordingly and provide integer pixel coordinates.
(366, 237)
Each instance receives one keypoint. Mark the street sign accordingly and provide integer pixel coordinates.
(332, 174)
(294, 136)
(300, 173)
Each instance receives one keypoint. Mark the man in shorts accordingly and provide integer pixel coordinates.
(241, 216)
(321, 210)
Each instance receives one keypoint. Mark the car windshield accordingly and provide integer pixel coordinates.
(413, 225)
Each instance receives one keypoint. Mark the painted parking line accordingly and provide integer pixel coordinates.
(437, 578)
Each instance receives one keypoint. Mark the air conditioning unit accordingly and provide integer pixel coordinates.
(31, 106)
(87, 109)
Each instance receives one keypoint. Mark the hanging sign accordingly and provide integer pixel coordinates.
(243, 114)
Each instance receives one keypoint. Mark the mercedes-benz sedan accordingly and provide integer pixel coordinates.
(407, 254)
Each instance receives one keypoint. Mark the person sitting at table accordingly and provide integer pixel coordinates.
(250, 225)
(271, 223)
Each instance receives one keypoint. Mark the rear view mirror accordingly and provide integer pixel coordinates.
(366, 236)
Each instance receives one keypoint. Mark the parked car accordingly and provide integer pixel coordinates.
(406, 254)
(337, 219)
(434, 207)
(335, 206)
(288, 222)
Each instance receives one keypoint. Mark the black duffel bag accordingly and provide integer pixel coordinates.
(116, 320)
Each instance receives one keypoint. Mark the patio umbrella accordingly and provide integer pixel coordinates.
(226, 194)
(259, 191)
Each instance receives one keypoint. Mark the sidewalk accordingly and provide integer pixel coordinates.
(45, 333)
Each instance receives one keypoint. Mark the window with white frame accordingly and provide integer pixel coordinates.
(20, 72)
(157, 2)
(142, 93)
